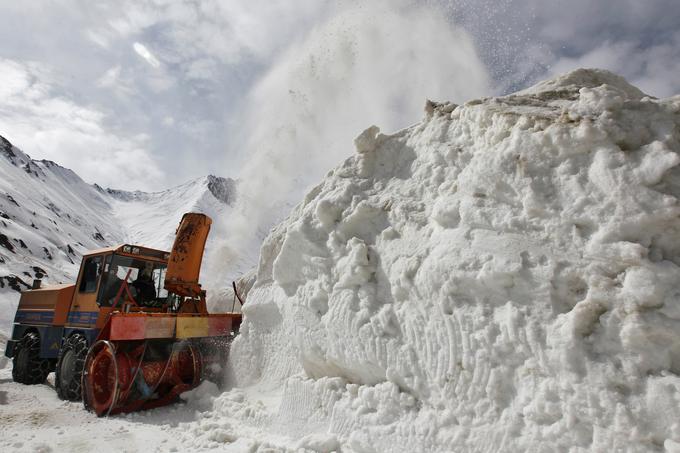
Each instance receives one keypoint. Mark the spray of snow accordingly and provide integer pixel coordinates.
(499, 277)
(356, 68)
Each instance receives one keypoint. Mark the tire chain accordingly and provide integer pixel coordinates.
(34, 370)
(73, 391)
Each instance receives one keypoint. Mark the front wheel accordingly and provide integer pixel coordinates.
(28, 368)
(70, 368)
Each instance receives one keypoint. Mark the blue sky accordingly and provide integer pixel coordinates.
(146, 94)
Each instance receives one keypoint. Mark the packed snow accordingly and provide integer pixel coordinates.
(500, 276)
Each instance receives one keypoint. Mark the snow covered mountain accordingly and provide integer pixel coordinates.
(49, 216)
(151, 218)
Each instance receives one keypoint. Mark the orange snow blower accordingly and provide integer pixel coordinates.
(132, 333)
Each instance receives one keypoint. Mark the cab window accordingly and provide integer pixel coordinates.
(145, 281)
(159, 281)
(92, 269)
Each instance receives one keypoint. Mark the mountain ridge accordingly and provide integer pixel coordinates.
(222, 188)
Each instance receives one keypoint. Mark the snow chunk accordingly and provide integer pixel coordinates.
(657, 160)
(500, 276)
(201, 396)
(586, 79)
(321, 443)
(367, 141)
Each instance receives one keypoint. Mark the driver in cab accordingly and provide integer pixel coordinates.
(144, 285)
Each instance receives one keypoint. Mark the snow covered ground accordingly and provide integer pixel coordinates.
(501, 276)
(33, 419)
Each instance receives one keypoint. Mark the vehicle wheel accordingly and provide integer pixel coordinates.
(28, 367)
(69, 369)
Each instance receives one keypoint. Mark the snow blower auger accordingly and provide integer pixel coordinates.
(134, 331)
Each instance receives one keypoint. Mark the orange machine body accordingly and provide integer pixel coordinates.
(48, 306)
(142, 315)
(57, 311)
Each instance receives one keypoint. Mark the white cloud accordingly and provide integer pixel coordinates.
(110, 78)
(202, 69)
(158, 79)
(100, 39)
(41, 122)
(143, 52)
(229, 31)
(234, 31)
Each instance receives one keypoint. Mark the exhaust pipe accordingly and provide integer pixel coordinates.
(37, 280)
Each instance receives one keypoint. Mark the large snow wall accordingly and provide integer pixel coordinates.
(502, 276)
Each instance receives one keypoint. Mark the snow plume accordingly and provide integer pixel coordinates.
(364, 64)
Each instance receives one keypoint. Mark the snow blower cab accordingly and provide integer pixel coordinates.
(133, 332)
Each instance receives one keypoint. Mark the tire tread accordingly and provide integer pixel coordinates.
(28, 368)
(72, 390)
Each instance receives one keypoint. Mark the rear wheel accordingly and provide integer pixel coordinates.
(70, 368)
(28, 367)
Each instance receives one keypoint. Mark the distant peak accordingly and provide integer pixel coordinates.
(50, 163)
(123, 195)
(224, 189)
(4, 143)
(6, 148)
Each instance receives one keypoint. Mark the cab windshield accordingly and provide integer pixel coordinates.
(145, 281)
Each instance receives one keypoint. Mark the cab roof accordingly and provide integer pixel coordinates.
(122, 249)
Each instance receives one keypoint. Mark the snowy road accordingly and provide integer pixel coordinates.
(32, 418)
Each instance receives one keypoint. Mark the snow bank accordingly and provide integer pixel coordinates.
(501, 276)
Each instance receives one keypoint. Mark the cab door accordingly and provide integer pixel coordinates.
(84, 310)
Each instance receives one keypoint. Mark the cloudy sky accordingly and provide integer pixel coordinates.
(145, 94)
